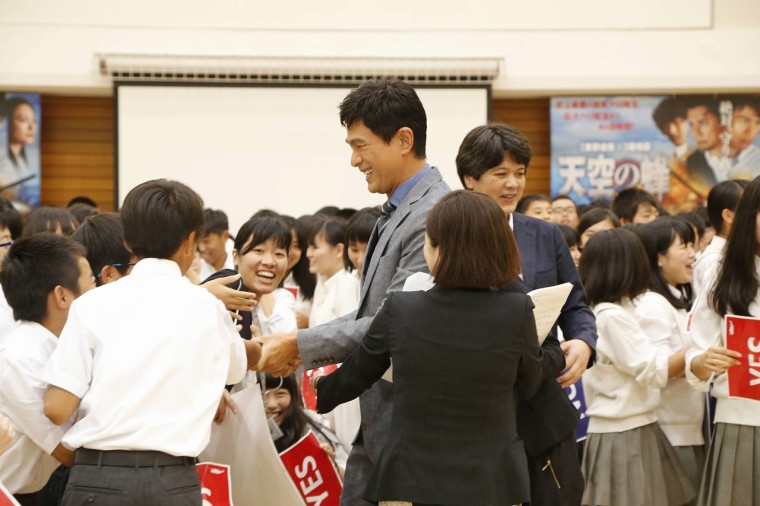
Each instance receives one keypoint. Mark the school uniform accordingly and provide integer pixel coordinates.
(707, 262)
(27, 464)
(148, 356)
(732, 472)
(681, 411)
(628, 460)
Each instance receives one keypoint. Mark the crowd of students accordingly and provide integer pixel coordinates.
(125, 382)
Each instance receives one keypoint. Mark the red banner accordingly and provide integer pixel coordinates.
(313, 472)
(743, 335)
(6, 498)
(309, 397)
(216, 488)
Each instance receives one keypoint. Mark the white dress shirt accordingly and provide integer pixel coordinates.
(26, 465)
(149, 356)
(283, 317)
(7, 323)
(706, 262)
(334, 297)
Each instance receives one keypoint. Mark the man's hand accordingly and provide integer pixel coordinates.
(224, 403)
(577, 355)
(233, 300)
(279, 355)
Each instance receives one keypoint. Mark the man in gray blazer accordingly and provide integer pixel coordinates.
(387, 127)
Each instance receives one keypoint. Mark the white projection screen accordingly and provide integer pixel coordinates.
(246, 148)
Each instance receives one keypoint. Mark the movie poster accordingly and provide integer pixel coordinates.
(20, 149)
(675, 147)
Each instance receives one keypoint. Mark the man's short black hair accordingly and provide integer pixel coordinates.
(385, 105)
(486, 146)
(82, 199)
(525, 202)
(215, 221)
(33, 267)
(626, 203)
(103, 237)
(667, 111)
(10, 218)
(50, 219)
(158, 216)
(710, 102)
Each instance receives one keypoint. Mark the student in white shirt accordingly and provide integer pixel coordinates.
(299, 279)
(627, 460)
(213, 244)
(733, 289)
(145, 360)
(721, 207)
(336, 293)
(41, 276)
(662, 315)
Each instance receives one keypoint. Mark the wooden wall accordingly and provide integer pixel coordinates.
(78, 150)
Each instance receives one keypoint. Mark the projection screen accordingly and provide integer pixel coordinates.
(246, 148)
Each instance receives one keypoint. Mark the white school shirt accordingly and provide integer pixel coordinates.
(708, 329)
(681, 408)
(706, 262)
(334, 297)
(7, 323)
(26, 465)
(623, 388)
(283, 317)
(149, 356)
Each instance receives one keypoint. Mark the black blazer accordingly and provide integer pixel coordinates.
(459, 358)
(549, 416)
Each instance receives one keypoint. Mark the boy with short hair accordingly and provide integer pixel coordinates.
(103, 237)
(213, 243)
(41, 276)
(145, 360)
(633, 205)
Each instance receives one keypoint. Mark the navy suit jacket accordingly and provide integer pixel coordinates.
(549, 416)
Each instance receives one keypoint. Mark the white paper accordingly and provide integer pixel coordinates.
(549, 302)
(418, 282)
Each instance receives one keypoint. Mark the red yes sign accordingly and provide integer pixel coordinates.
(743, 335)
(216, 488)
(313, 472)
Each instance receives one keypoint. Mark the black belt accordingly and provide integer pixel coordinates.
(129, 458)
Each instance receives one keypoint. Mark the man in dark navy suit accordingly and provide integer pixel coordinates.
(493, 159)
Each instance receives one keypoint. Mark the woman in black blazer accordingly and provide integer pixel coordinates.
(461, 353)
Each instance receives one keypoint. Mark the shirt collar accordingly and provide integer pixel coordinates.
(404, 188)
(156, 266)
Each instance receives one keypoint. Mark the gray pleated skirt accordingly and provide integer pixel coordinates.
(732, 473)
(693, 461)
(637, 467)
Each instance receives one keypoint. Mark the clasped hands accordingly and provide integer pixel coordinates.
(279, 354)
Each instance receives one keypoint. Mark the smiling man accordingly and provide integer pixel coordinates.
(493, 160)
(386, 130)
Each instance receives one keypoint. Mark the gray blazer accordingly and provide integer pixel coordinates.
(396, 255)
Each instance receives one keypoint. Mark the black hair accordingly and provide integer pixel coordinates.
(306, 280)
(82, 211)
(294, 419)
(695, 220)
(737, 283)
(361, 224)
(265, 213)
(657, 237)
(215, 221)
(158, 216)
(626, 203)
(50, 219)
(742, 101)
(82, 199)
(614, 266)
(386, 105)
(261, 229)
(328, 211)
(724, 195)
(33, 267)
(103, 237)
(11, 218)
(570, 235)
(594, 216)
(667, 111)
(712, 103)
(486, 146)
(334, 231)
(525, 202)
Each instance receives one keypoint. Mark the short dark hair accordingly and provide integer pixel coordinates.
(657, 236)
(476, 247)
(50, 219)
(627, 202)
(215, 221)
(82, 199)
(667, 111)
(386, 105)
(259, 230)
(570, 235)
(103, 237)
(695, 220)
(711, 103)
(594, 216)
(10, 218)
(737, 283)
(564, 197)
(525, 202)
(82, 211)
(158, 215)
(486, 146)
(33, 267)
(742, 101)
(361, 224)
(614, 266)
(724, 195)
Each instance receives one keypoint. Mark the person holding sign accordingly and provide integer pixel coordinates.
(462, 352)
(627, 460)
(732, 289)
